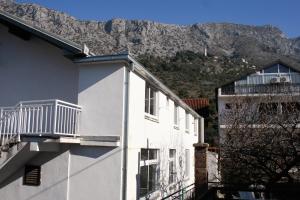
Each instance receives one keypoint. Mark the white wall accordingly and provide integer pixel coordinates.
(54, 171)
(101, 97)
(95, 173)
(159, 134)
(34, 70)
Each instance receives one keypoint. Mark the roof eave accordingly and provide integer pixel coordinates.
(55, 40)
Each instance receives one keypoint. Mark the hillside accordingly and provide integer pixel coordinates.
(172, 52)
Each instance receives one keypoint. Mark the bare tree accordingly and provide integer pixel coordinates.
(260, 139)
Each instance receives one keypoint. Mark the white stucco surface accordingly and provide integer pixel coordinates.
(95, 173)
(54, 168)
(101, 96)
(34, 70)
(158, 134)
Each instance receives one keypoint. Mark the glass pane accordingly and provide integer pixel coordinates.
(292, 70)
(283, 69)
(172, 153)
(146, 105)
(152, 177)
(171, 172)
(147, 99)
(144, 154)
(152, 106)
(144, 180)
(152, 154)
(268, 108)
(272, 69)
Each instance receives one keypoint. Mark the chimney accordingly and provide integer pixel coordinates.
(201, 171)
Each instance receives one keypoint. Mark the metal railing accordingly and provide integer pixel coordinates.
(261, 89)
(186, 193)
(38, 118)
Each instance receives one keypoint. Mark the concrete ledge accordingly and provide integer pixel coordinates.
(111, 141)
(100, 143)
(101, 138)
(107, 141)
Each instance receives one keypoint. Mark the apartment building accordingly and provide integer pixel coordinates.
(74, 125)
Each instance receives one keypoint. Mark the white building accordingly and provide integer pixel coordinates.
(75, 126)
(271, 90)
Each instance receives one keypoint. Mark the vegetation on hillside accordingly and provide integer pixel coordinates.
(193, 75)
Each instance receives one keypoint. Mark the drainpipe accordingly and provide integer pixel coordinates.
(201, 130)
(125, 133)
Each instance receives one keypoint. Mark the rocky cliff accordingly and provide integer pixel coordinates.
(164, 40)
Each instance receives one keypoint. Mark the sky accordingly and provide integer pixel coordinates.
(284, 14)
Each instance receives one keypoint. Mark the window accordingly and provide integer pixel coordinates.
(195, 126)
(187, 121)
(268, 108)
(150, 100)
(288, 108)
(32, 175)
(272, 69)
(172, 166)
(283, 69)
(149, 171)
(187, 163)
(176, 115)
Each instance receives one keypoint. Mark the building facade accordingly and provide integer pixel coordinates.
(269, 91)
(78, 126)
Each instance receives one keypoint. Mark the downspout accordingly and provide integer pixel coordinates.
(125, 132)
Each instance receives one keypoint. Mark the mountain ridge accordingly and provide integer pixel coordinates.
(160, 39)
(174, 53)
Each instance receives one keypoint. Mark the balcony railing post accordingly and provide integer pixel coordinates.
(19, 123)
(55, 116)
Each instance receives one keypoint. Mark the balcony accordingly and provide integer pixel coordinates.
(278, 88)
(38, 118)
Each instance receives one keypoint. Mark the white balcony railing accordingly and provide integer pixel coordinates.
(38, 118)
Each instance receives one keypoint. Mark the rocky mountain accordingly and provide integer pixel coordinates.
(164, 40)
(172, 52)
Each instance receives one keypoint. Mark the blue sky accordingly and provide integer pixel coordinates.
(284, 14)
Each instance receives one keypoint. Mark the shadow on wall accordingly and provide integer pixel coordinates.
(46, 157)
(94, 75)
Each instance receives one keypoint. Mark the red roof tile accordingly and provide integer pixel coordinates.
(197, 103)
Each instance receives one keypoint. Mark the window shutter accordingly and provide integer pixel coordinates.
(32, 175)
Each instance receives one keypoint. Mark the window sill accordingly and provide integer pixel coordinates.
(152, 118)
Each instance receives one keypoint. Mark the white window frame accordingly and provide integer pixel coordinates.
(196, 126)
(187, 121)
(173, 173)
(148, 163)
(147, 102)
